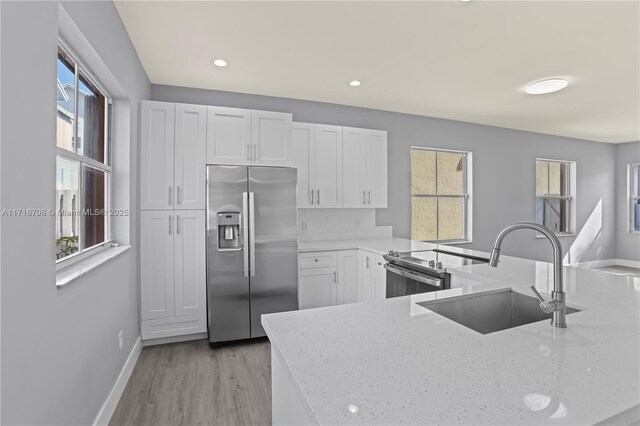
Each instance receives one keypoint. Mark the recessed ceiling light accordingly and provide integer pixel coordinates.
(546, 86)
(354, 83)
(220, 63)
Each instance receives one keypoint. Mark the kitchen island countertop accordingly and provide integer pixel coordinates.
(396, 362)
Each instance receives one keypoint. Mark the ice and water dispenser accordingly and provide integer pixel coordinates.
(229, 237)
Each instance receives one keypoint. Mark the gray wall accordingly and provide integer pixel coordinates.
(503, 167)
(60, 353)
(628, 245)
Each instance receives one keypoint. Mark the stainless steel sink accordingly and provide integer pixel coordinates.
(492, 311)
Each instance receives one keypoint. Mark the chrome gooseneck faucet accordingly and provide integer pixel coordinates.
(557, 304)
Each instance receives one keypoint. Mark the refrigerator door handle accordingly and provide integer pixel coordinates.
(252, 235)
(245, 235)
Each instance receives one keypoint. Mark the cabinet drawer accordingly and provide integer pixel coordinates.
(321, 259)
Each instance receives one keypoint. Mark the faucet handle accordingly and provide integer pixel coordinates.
(547, 306)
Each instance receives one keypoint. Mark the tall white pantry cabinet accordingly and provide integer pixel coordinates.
(173, 140)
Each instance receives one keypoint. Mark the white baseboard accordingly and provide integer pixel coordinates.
(109, 406)
(629, 263)
(174, 339)
(607, 262)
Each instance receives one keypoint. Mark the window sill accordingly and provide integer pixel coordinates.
(67, 275)
(633, 232)
(538, 235)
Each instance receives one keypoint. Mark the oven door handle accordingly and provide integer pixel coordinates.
(434, 282)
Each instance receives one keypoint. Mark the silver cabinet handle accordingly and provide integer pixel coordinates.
(312, 196)
(369, 197)
(256, 152)
(318, 196)
(170, 220)
(252, 235)
(245, 234)
(335, 277)
(178, 225)
(179, 195)
(248, 152)
(364, 199)
(368, 265)
(170, 194)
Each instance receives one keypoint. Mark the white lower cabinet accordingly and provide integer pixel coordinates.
(336, 277)
(373, 276)
(172, 273)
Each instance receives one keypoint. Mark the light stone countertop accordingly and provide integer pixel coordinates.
(373, 245)
(401, 363)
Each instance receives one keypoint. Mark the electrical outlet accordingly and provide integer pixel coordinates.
(120, 340)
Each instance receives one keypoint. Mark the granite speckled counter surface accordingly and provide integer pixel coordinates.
(400, 363)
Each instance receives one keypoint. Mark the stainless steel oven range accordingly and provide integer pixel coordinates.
(423, 271)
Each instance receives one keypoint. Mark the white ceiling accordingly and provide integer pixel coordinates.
(462, 61)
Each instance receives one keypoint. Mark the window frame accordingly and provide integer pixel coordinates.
(570, 187)
(631, 198)
(85, 161)
(466, 196)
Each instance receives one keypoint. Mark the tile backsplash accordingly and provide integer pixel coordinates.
(339, 224)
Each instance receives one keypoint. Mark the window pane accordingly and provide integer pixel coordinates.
(450, 218)
(555, 178)
(65, 101)
(542, 178)
(94, 194)
(91, 120)
(450, 173)
(635, 181)
(67, 232)
(424, 219)
(553, 213)
(423, 172)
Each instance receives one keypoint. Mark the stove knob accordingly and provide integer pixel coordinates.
(432, 264)
(391, 253)
(439, 265)
(396, 254)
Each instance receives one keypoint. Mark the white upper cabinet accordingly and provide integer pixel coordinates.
(328, 166)
(271, 138)
(302, 146)
(245, 137)
(376, 168)
(354, 184)
(228, 136)
(157, 124)
(190, 151)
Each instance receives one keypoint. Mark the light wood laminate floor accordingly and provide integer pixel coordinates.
(191, 384)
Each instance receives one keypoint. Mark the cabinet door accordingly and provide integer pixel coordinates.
(353, 167)
(228, 135)
(348, 276)
(376, 168)
(156, 155)
(190, 153)
(271, 138)
(317, 287)
(328, 165)
(156, 264)
(379, 278)
(302, 146)
(190, 275)
(365, 284)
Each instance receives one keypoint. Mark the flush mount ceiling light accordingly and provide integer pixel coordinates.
(220, 63)
(354, 83)
(546, 86)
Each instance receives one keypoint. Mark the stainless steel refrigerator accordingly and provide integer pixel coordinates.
(252, 248)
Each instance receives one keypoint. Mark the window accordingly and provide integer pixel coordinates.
(83, 159)
(440, 195)
(634, 197)
(554, 195)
